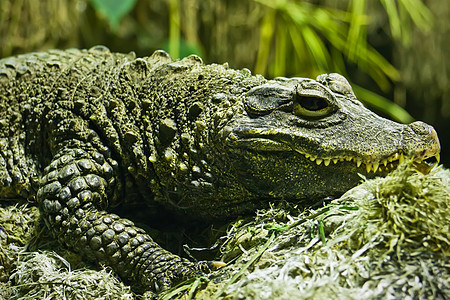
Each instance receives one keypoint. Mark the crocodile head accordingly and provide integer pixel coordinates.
(300, 138)
(230, 143)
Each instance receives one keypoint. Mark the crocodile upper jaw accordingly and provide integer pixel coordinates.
(271, 140)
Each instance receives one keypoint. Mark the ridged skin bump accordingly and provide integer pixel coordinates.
(82, 131)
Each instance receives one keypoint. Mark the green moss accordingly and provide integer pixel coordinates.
(45, 274)
(17, 228)
(386, 238)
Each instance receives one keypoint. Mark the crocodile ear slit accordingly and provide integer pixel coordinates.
(262, 100)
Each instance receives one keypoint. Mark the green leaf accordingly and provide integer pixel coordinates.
(297, 42)
(419, 13)
(266, 31)
(356, 33)
(281, 50)
(322, 233)
(113, 10)
(394, 19)
(174, 28)
(185, 48)
(382, 104)
(346, 207)
(316, 47)
(338, 62)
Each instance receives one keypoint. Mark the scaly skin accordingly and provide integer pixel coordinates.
(85, 130)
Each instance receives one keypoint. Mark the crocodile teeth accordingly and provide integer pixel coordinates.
(358, 162)
(393, 157)
(375, 166)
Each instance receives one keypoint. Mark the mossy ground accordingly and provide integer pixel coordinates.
(388, 238)
(34, 266)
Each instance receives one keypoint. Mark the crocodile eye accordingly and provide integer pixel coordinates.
(311, 107)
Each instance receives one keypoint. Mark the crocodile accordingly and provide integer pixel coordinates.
(83, 131)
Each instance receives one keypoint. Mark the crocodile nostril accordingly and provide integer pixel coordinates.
(431, 160)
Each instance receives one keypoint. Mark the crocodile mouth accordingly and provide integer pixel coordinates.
(381, 165)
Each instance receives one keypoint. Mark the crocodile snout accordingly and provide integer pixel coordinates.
(425, 147)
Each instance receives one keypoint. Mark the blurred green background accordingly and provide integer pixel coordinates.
(394, 52)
